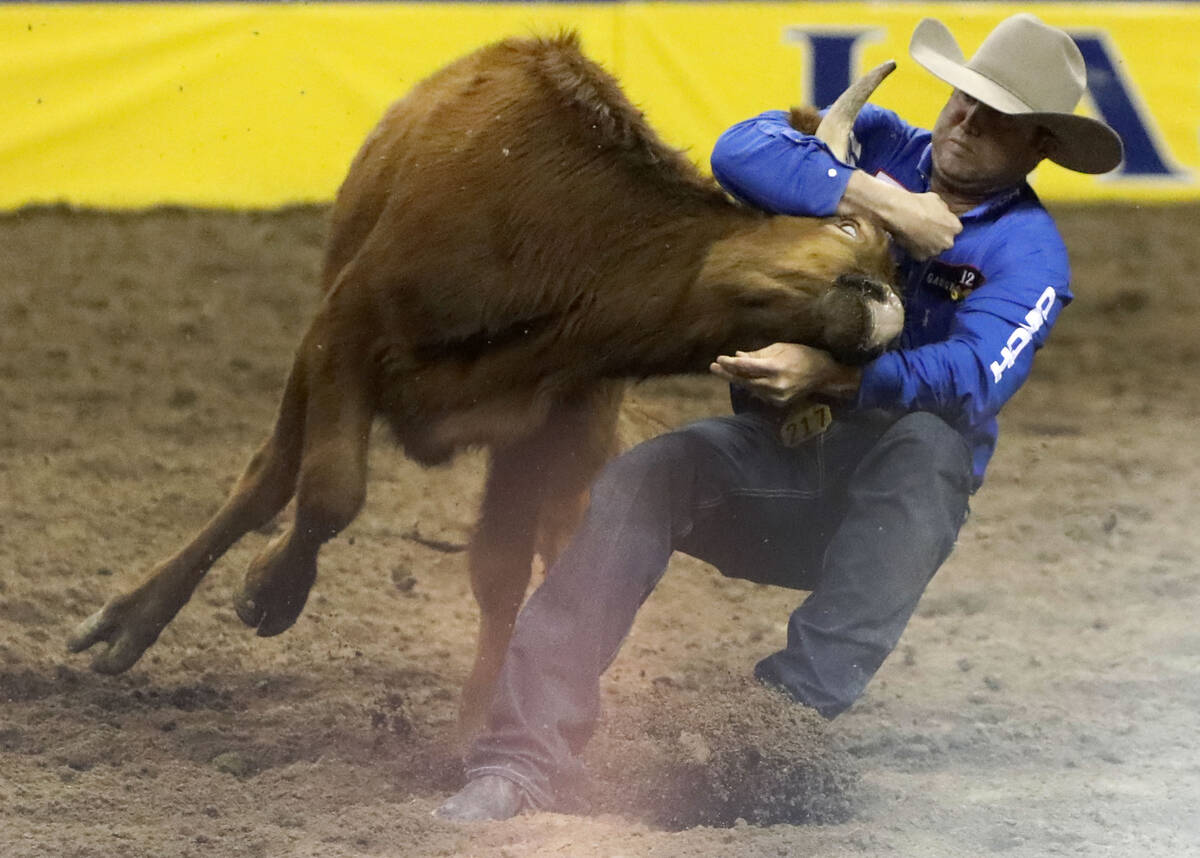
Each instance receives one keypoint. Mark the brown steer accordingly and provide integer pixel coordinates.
(511, 244)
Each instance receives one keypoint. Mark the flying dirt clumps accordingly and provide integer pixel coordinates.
(713, 755)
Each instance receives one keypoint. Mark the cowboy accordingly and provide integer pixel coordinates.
(860, 500)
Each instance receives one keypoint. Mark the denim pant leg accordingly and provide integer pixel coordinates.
(905, 501)
(643, 504)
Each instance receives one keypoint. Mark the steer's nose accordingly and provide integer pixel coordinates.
(887, 319)
(872, 289)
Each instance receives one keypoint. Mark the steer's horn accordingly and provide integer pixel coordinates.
(835, 127)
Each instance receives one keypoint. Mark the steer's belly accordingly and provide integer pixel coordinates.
(497, 420)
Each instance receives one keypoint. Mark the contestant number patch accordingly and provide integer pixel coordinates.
(957, 281)
(804, 423)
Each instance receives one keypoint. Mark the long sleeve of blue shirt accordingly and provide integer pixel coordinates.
(987, 352)
(974, 316)
(766, 163)
(769, 165)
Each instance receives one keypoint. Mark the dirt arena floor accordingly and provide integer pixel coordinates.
(1043, 701)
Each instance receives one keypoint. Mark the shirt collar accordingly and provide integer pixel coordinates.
(999, 203)
(992, 207)
(925, 166)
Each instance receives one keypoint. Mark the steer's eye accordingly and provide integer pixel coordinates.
(849, 227)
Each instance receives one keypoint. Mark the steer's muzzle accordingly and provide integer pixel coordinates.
(886, 313)
(864, 316)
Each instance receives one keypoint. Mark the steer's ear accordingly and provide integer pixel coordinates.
(804, 119)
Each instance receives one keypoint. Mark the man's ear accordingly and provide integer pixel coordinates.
(1046, 143)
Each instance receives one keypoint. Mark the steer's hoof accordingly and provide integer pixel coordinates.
(247, 609)
(483, 798)
(123, 626)
(276, 588)
(268, 616)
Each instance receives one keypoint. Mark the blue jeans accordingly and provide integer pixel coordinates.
(862, 516)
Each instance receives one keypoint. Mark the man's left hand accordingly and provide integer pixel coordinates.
(782, 372)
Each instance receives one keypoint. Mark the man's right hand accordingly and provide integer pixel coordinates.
(920, 223)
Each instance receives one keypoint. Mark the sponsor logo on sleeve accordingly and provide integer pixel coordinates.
(1023, 335)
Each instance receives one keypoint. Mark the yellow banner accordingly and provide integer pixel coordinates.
(256, 105)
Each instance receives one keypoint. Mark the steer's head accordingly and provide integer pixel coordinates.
(828, 282)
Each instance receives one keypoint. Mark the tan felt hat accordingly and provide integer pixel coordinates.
(1025, 68)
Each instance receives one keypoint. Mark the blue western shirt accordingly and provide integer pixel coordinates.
(974, 315)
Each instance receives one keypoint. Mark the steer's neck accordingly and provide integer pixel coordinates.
(695, 298)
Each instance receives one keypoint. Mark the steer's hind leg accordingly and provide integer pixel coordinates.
(131, 622)
(331, 486)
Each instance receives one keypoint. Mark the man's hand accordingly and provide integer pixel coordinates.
(921, 223)
(782, 372)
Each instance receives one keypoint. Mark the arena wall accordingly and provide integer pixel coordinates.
(127, 105)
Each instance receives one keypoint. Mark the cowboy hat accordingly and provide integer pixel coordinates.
(1029, 69)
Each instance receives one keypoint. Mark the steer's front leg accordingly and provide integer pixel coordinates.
(501, 564)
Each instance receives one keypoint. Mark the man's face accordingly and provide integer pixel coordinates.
(978, 150)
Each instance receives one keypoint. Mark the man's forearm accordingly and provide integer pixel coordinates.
(868, 196)
(922, 223)
(842, 383)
